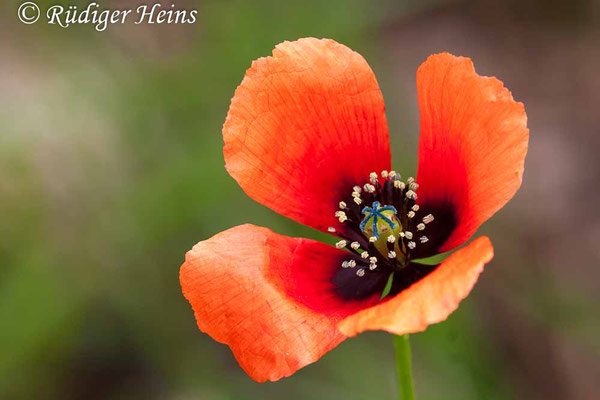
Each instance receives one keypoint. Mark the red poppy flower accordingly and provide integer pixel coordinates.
(306, 135)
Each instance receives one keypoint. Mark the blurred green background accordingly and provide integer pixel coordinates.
(111, 168)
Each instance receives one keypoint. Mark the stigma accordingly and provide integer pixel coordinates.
(383, 224)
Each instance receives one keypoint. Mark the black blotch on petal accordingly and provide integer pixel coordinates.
(353, 287)
(437, 231)
(409, 275)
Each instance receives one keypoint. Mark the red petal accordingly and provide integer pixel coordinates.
(473, 143)
(269, 297)
(304, 126)
(428, 301)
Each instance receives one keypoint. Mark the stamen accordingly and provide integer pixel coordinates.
(341, 244)
(369, 188)
(341, 216)
(380, 213)
(399, 185)
(373, 177)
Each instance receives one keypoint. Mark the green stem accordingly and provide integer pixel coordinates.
(403, 367)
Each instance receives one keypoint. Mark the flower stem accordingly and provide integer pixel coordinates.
(404, 367)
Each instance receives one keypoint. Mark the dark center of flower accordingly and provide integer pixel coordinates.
(383, 225)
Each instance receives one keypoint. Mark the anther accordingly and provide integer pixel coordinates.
(373, 260)
(421, 227)
(372, 239)
(360, 272)
(408, 235)
(351, 263)
(355, 245)
(331, 229)
(391, 239)
(411, 245)
(399, 185)
(392, 174)
(341, 216)
(413, 186)
(372, 266)
(342, 205)
(345, 264)
(410, 180)
(410, 214)
(423, 239)
(392, 254)
(357, 189)
(384, 174)
(369, 188)
(428, 218)
(355, 195)
(411, 195)
(357, 200)
(341, 244)
(373, 177)
(364, 255)
(415, 208)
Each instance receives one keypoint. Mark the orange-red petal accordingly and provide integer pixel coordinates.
(428, 301)
(269, 297)
(473, 143)
(305, 125)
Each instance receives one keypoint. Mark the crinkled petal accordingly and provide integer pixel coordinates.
(428, 301)
(472, 148)
(305, 125)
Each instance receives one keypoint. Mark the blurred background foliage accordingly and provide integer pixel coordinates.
(111, 168)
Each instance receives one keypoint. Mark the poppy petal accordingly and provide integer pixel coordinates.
(428, 301)
(472, 148)
(305, 125)
(267, 297)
